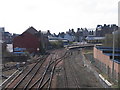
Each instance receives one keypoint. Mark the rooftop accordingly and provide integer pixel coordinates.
(31, 30)
(94, 38)
(110, 54)
(116, 54)
(107, 48)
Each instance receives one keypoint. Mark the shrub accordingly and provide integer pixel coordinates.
(56, 44)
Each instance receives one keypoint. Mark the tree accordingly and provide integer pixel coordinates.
(4, 50)
(57, 44)
(5, 53)
(109, 40)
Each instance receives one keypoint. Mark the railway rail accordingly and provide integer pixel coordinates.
(73, 73)
(29, 78)
(23, 75)
(69, 68)
(48, 81)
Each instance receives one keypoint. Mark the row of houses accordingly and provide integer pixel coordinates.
(78, 36)
(30, 40)
(7, 37)
(37, 41)
(101, 31)
(89, 35)
(41, 40)
(82, 34)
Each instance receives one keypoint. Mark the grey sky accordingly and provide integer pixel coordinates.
(56, 15)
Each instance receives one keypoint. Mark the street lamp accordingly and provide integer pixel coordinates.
(113, 55)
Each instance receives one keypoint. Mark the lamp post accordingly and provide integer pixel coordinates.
(113, 55)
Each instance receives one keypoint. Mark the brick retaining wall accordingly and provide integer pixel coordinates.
(104, 63)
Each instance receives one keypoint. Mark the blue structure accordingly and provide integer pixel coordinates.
(109, 52)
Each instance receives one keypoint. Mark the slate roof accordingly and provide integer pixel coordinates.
(31, 30)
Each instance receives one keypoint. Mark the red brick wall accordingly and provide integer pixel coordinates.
(105, 59)
(28, 41)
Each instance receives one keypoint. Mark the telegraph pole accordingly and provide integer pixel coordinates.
(113, 55)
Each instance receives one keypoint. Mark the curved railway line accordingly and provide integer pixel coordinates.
(25, 74)
(43, 73)
(74, 74)
(38, 75)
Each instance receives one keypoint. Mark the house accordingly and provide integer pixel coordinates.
(104, 61)
(8, 37)
(56, 39)
(94, 39)
(79, 35)
(31, 40)
(69, 37)
(82, 33)
(106, 29)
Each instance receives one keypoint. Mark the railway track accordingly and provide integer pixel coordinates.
(48, 81)
(23, 75)
(30, 78)
(65, 72)
(74, 74)
(69, 68)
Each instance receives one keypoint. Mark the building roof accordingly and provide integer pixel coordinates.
(94, 38)
(31, 30)
(107, 48)
(19, 52)
(117, 61)
(19, 49)
(110, 54)
(56, 38)
(1, 41)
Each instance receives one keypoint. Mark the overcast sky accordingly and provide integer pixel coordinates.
(56, 15)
